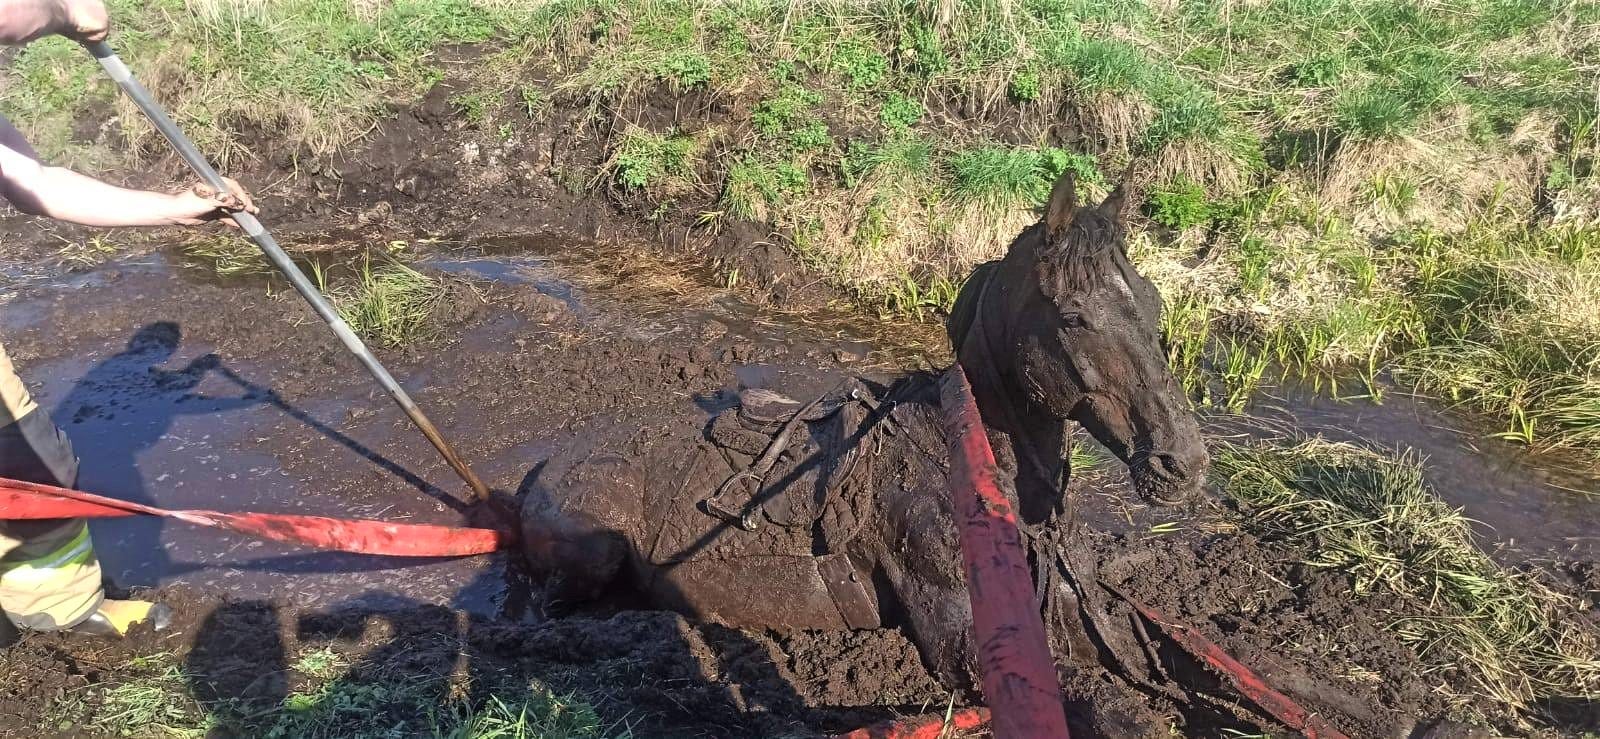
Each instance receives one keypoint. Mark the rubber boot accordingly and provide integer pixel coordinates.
(115, 617)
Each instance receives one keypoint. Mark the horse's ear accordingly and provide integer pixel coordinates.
(1062, 207)
(1115, 205)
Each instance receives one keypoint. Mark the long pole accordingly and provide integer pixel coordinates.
(252, 227)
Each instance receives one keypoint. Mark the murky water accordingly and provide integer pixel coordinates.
(154, 422)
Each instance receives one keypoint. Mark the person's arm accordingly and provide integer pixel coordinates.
(22, 21)
(65, 195)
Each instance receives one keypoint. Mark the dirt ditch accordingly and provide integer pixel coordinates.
(236, 399)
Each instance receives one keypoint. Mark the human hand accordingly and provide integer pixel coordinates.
(202, 203)
(83, 20)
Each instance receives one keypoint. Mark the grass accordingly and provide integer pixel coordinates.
(387, 303)
(87, 253)
(225, 254)
(1313, 166)
(1372, 516)
(150, 696)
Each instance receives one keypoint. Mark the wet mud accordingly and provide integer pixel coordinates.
(171, 403)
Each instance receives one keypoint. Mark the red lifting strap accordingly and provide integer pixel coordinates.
(923, 727)
(1246, 680)
(1019, 674)
(26, 500)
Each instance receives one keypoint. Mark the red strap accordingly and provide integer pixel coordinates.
(923, 727)
(1019, 675)
(1252, 685)
(26, 500)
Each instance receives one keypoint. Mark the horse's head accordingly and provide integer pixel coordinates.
(1065, 328)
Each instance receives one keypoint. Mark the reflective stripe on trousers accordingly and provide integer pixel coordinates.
(49, 580)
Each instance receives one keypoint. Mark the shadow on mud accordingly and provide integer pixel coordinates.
(257, 668)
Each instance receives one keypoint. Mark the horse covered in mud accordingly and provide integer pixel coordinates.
(834, 513)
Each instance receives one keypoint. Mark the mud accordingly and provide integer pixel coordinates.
(580, 316)
(648, 670)
(556, 351)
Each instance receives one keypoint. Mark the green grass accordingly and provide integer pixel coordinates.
(151, 697)
(1372, 516)
(224, 254)
(645, 160)
(321, 663)
(1514, 331)
(87, 253)
(387, 303)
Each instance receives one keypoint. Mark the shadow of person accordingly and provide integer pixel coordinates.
(238, 664)
(396, 665)
(122, 407)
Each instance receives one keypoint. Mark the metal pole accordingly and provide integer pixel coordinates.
(252, 227)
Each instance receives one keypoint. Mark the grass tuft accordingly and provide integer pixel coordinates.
(1372, 516)
(389, 303)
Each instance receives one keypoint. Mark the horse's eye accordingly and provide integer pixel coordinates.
(1073, 320)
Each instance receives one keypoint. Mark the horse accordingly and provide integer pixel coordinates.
(834, 513)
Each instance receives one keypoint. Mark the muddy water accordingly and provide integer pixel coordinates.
(158, 422)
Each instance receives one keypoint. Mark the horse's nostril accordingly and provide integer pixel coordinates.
(1169, 466)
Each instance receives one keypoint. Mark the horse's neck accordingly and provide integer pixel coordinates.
(1028, 450)
(1027, 439)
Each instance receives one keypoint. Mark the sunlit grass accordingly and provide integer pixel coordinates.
(1372, 516)
(152, 697)
(388, 303)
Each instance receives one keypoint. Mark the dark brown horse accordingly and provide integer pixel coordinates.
(851, 526)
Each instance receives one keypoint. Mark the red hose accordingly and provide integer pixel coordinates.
(1246, 680)
(1019, 674)
(26, 500)
(923, 727)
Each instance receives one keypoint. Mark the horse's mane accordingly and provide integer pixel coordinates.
(1081, 258)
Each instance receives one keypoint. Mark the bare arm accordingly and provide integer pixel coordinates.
(22, 21)
(65, 195)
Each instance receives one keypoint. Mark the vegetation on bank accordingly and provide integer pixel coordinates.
(1335, 188)
(1514, 639)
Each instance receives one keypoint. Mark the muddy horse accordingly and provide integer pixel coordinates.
(834, 513)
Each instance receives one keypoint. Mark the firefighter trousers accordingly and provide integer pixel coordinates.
(49, 577)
